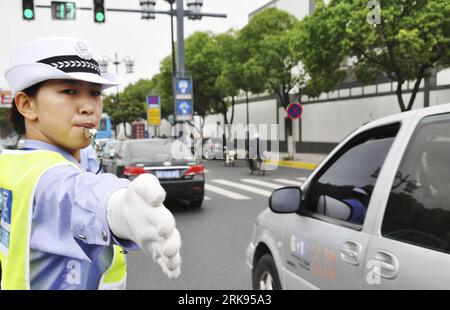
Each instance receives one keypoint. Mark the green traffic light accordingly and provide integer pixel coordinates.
(28, 13)
(99, 17)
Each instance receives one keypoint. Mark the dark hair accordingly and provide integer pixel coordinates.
(15, 118)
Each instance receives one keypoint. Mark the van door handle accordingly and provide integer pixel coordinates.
(385, 264)
(351, 252)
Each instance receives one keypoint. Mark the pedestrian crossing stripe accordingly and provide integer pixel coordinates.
(289, 182)
(244, 187)
(263, 183)
(233, 195)
(225, 192)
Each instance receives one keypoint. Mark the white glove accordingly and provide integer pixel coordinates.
(137, 213)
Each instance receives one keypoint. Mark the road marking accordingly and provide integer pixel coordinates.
(224, 192)
(289, 182)
(302, 178)
(263, 183)
(207, 198)
(244, 187)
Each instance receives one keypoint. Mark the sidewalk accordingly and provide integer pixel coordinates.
(307, 161)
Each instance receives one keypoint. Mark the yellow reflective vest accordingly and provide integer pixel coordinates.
(20, 172)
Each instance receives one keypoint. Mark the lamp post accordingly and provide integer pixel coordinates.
(129, 65)
(171, 2)
(194, 12)
(196, 7)
(148, 6)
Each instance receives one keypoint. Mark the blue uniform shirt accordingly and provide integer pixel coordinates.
(70, 233)
(88, 159)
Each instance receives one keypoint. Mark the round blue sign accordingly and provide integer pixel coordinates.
(294, 110)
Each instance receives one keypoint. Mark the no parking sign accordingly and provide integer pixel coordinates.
(294, 110)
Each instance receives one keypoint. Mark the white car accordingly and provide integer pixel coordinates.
(375, 214)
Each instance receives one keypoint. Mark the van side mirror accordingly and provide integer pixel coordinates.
(285, 200)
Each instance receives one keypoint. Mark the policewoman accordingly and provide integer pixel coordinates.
(62, 227)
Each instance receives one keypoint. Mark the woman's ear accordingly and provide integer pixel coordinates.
(26, 106)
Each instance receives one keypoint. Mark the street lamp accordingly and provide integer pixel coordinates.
(149, 7)
(129, 63)
(195, 6)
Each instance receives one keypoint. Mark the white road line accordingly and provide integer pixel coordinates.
(262, 183)
(301, 178)
(289, 182)
(207, 198)
(224, 192)
(244, 187)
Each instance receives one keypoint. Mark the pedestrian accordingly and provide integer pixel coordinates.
(88, 159)
(62, 227)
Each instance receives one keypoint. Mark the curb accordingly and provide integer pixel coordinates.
(292, 164)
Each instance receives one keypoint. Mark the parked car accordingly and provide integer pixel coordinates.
(110, 148)
(11, 142)
(169, 160)
(375, 214)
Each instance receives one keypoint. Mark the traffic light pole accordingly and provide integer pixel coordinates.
(179, 13)
(180, 38)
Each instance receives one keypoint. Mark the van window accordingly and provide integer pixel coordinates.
(418, 209)
(343, 189)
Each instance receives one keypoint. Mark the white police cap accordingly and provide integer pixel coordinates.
(55, 58)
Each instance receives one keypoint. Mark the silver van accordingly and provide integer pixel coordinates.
(375, 214)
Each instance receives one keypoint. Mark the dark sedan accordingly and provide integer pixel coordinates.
(179, 173)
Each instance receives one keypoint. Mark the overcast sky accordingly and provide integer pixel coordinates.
(146, 41)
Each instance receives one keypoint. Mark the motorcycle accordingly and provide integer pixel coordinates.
(229, 157)
(256, 165)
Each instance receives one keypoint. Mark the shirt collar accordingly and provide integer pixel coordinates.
(39, 145)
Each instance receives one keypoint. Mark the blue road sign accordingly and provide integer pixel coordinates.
(184, 103)
(183, 86)
(184, 107)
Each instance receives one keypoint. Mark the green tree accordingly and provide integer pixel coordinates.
(164, 87)
(208, 59)
(270, 64)
(413, 37)
(129, 105)
(205, 60)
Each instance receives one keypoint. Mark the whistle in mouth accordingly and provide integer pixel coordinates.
(90, 133)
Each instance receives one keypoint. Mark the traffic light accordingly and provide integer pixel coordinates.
(28, 9)
(99, 11)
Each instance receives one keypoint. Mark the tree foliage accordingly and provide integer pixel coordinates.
(129, 105)
(208, 58)
(268, 62)
(413, 36)
(265, 41)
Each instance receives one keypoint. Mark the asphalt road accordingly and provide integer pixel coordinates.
(215, 237)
